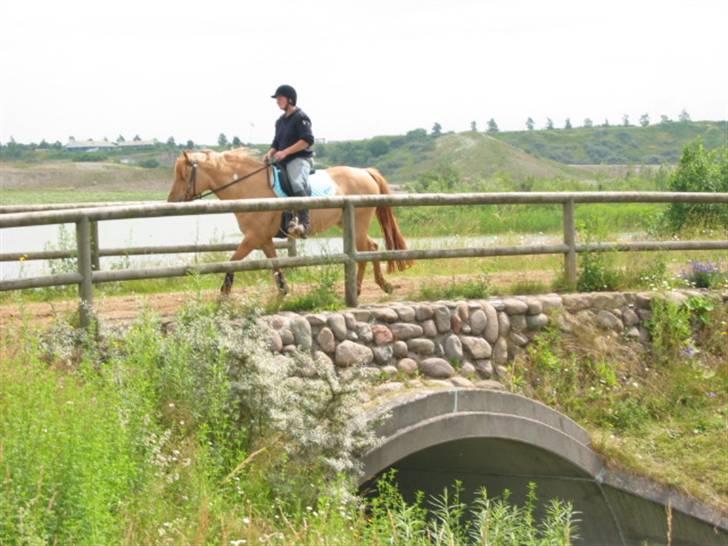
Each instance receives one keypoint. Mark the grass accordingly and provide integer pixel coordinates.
(26, 197)
(659, 412)
(196, 434)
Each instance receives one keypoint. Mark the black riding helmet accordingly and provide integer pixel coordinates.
(286, 91)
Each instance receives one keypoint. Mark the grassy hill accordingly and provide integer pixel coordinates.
(655, 144)
(543, 154)
(506, 160)
(474, 155)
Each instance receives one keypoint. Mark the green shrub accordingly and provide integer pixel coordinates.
(596, 273)
(670, 330)
(699, 170)
(89, 157)
(150, 163)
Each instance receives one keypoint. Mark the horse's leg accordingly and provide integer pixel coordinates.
(378, 276)
(362, 244)
(269, 250)
(245, 248)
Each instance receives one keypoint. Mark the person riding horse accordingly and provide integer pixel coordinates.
(291, 149)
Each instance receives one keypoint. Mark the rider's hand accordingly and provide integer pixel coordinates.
(280, 155)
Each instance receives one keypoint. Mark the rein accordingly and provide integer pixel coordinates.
(192, 182)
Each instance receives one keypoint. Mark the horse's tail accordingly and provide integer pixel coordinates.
(392, 234)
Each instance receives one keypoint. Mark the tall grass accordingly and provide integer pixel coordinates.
(193, 433)
(659, 407)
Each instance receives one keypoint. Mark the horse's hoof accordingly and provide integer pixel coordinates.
(388, 288)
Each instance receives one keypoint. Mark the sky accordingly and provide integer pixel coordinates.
(191, 70)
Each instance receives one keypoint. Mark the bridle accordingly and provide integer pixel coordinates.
(191, 193)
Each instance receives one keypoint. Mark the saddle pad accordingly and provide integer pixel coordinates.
(322, 185)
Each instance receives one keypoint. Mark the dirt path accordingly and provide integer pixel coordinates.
(127, 307)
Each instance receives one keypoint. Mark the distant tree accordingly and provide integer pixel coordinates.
(106, 139)
(530, 124)
(236, 142)
(43, 144)
(170, 142)
(416, 134)
(222, 140)
(625, 120)
(606, 122)
(137, 138)
(473, 127)
(684, 116)
(492, 126)
(549, 124)
(567, 123)
(189, 145)
(588, 122)
(644, 120)
(120, 138)
(57, 145)
(436, 129)
(664, 119)
(71, 139)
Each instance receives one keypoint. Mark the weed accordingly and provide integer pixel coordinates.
(477, 288)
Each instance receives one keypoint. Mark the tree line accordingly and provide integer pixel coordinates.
(549, 125)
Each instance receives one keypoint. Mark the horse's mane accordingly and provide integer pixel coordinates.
(241, 156)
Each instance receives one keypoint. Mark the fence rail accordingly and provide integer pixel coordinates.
(88, 252)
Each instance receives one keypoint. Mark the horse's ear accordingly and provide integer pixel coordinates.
(187, 158)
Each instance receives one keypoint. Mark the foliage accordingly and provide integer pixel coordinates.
(658, 409)
(66, 241)
(89, 157)
(647, 144)
(476, 288)
(125, 437)
(597, 272)
(699, 170)
(670, 330)
(321, 295)
(446, 520)
(704, 274)
(151, 163)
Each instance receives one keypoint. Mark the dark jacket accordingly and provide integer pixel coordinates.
(291, 129)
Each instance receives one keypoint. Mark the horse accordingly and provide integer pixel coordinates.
(237, 174)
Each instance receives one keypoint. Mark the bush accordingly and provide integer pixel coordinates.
(151, 163)
(135, 436)
(90, 157)
(703, 274)
(699, 170)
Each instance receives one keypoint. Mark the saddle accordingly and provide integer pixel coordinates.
(281, 181)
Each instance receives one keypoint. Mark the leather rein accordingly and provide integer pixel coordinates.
(192, 183)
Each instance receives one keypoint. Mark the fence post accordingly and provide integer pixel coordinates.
(349, 223)
(570, 241)
(95, 261)
(292, 248)
(86, 287)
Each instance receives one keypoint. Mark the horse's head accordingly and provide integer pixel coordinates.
(189, 180)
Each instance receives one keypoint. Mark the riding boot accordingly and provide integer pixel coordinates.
(304, 218)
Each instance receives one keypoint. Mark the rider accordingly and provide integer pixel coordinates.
(291, 148)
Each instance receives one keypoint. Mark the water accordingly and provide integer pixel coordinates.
(217, 228)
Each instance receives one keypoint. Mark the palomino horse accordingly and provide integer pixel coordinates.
(237, 175)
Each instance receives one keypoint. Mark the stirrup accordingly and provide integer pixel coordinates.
(297, 229)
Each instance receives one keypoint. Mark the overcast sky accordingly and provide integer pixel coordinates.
(194, 69)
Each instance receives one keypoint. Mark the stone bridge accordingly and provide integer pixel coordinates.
(447, 416)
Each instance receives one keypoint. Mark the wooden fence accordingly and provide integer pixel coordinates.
(88, 252)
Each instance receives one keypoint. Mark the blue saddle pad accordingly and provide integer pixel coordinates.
(322, 185)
